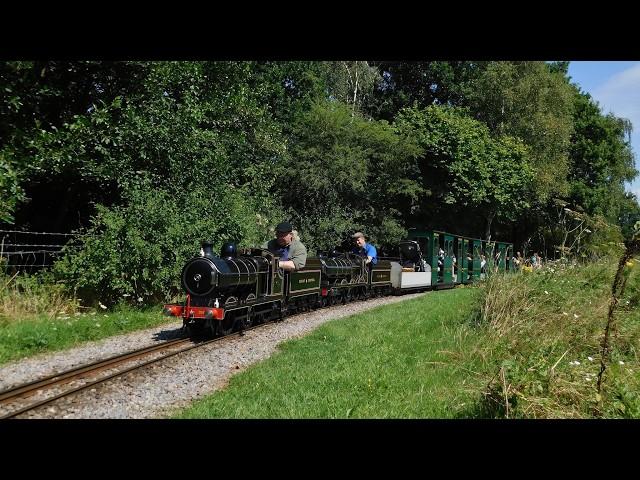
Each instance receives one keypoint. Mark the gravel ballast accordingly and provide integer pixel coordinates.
(158, 390)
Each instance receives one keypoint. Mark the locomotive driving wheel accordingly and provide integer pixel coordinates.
(225, 326)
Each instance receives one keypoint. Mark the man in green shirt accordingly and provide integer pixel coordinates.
(292, 253)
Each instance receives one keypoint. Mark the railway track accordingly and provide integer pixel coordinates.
(19, 399)
(29, 396)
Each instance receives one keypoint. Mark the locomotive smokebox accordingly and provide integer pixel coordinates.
(204, 275)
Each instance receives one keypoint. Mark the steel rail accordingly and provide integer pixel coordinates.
(68, 376)
(29, 388)
(98, 366)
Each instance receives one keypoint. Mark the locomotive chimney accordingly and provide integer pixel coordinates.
(207, 248)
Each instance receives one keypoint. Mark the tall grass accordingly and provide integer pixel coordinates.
(37, 316)
(541, 334)
(25, 296)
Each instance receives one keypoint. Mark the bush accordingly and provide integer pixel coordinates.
(136, 252)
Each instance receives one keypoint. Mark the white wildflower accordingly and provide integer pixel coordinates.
(620, 362)
(139, 299)
(590, 359)
(546, 293)
(104, 307)
(126, 294)
(575, 315)
(105, 315)
(565, 313)
(97, 324)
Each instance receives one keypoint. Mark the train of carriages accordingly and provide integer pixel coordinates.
(245, 287)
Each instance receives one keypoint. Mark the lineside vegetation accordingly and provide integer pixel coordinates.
(37, 317)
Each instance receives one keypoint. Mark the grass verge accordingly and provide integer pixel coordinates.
(541, 339)
(395, 361)
(39, 334)
(37, 316)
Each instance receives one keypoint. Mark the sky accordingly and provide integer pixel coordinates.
(616, 88)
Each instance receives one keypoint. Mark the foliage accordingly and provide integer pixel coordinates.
(421, 84)
(572, 233)
(37, 99)
(10, 192)
(191, 144)
(136, 251)
(541, 333)
(602, 161)
(529, 101)
(344, 173)
(352, 83)
(463, 164)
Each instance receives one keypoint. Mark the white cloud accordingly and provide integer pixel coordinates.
(620, 94)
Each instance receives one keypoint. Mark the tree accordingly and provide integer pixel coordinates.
(37, 99)
(421, 84)
(343, 173)
(601, 161)
(533, 102)
(463, 165)
(351, 82)
(194, 148)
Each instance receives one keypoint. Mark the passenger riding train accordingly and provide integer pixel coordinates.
(245, 287)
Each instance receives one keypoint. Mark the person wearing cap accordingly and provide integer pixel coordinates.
(365, 249)
(287, 245)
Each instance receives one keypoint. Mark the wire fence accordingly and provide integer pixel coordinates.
(31, 251)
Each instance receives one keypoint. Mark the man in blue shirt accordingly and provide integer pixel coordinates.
(365, 249)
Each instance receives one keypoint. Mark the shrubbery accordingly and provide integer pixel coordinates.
(136, 252)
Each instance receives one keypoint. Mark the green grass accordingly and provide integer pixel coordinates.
(38, 334)
(540, 344)
(37, 315)
(395, 361)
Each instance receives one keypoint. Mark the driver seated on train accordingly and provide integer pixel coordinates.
(287, 246)
(365, 249)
